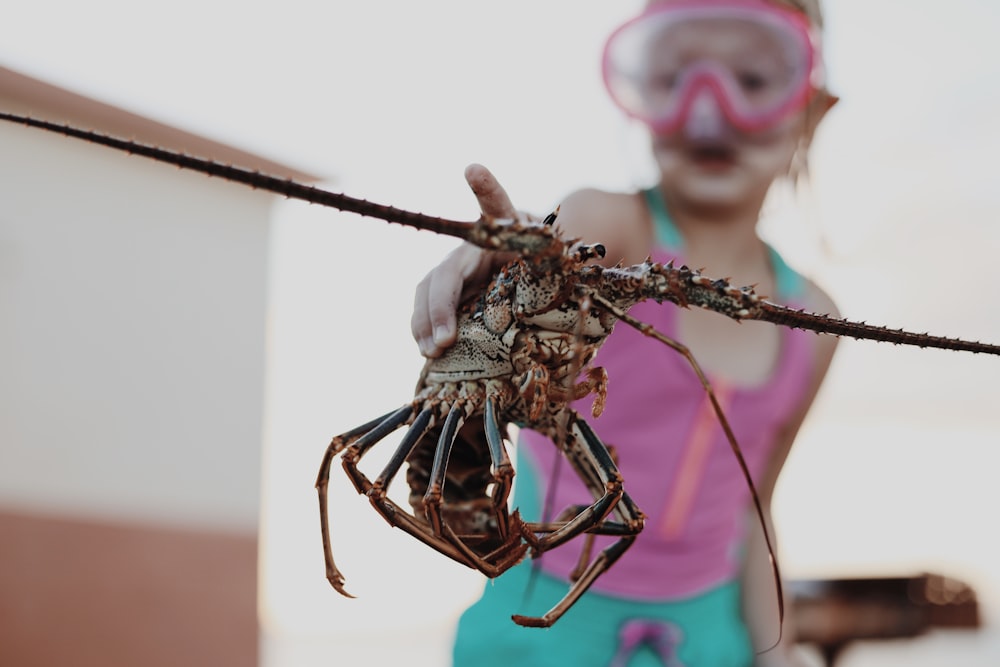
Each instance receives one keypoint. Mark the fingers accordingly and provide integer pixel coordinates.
(493, 199)
(437, 297)
(433, 323)
(422, 323)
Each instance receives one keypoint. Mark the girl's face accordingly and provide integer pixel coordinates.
(724, 85)
(711, 163)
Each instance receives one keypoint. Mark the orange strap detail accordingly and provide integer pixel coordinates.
(691, 470)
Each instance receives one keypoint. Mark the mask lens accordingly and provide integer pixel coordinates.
(756, 59)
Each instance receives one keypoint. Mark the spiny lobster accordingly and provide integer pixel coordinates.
(522, 344)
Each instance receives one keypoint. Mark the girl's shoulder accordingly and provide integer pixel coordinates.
(818, 301)
(619, 220)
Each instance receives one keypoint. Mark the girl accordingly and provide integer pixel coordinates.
(732, 92)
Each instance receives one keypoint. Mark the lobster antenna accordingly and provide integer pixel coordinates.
(260, 181)
(686, 287)
(800, 319)
(488, 233)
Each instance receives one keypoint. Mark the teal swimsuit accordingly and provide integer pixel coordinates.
(596, 631)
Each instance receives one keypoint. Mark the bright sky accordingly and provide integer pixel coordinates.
(392, 99)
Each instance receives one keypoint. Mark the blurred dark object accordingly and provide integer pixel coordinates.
(832, 613)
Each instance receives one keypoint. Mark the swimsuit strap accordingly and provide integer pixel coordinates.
(788, 282)
(664, 228)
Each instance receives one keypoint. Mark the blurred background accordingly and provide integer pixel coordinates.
(893, 474)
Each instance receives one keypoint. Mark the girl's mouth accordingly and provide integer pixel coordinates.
(712, 155)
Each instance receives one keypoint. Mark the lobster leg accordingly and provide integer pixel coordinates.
(420, 425)
(503, 470)
(513, 548)
(374, 431)
(599, 473)
(588, 540)
(395, 515)
(611, 528)
(435, 487)
(592, 461)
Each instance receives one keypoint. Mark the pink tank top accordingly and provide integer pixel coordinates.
(676, 462)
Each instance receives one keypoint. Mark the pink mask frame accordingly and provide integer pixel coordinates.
(706, 75)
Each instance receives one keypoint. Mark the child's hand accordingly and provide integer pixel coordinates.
(467, 267)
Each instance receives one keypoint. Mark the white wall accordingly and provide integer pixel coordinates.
(132, 336)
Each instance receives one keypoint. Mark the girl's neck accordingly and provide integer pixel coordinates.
(720, 239)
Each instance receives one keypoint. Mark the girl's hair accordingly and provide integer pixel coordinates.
(799, 169)
(811, 8)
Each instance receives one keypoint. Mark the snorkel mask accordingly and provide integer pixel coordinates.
(754, 61)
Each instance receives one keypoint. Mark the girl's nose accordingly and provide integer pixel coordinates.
(705, 118)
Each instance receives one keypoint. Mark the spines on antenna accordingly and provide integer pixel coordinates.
(766, 311)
